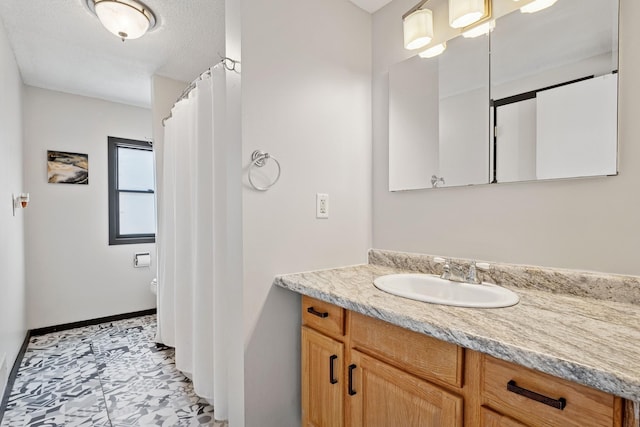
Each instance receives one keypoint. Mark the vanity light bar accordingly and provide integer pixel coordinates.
(472, 16)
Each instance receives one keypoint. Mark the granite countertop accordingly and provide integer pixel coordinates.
(591, 341)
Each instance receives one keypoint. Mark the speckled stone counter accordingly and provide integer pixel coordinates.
(584, 333)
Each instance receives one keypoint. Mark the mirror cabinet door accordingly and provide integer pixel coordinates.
(439, 118)
(413, 124)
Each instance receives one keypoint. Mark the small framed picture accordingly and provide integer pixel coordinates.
(67, 168)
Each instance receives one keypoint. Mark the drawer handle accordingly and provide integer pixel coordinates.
(317, 313)
(556, 403)
(332, 378)
(352, 392)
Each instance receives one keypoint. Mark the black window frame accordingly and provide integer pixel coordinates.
(115, 238)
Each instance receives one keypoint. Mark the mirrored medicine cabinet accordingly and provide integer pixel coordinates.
(535, 99)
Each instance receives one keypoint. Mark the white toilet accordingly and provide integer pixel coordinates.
(154, 286)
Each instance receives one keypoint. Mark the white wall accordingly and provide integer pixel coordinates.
(588, 223)
(234, 218)
(72, 273)
(12, 282)
(306, 83)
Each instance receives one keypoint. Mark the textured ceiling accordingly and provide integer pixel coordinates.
(61, 45)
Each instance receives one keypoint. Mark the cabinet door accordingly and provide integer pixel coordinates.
(380, 395)
(322, 380)
(493, 419)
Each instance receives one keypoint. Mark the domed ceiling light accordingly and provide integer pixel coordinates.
(127, 19)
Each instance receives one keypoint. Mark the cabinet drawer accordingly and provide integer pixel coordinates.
(583, 407)
(423, 356)
(322, 316)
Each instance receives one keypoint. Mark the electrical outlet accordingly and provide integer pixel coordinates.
(322, 205)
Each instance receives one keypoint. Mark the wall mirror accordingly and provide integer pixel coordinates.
(546, 110)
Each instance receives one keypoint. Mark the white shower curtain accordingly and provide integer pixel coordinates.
(190, 304)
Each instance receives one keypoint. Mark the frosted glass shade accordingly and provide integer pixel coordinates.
(433, 51)
(480, 30)
(122, 19)
(463, 13)
(418, 29)
(537, 5)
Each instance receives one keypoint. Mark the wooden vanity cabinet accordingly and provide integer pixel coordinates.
(323, 363)
(361, 372)
(358, 371)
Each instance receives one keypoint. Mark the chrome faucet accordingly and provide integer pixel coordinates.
(472, 274)
(465, 273)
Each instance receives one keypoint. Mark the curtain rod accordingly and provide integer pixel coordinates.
(226, 63)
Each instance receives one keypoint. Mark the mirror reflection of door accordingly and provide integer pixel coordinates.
(564, 131)
(554, 92)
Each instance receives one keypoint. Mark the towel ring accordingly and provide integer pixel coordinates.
(259, 159)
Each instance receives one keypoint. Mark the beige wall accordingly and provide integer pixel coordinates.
(590, 223)
(306, 78)
(72, 273)
(12, 282)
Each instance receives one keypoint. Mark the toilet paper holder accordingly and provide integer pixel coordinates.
(141, 259)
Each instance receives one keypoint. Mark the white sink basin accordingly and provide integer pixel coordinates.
(430, 288)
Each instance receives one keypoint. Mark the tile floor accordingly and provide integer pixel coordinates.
(110, 375)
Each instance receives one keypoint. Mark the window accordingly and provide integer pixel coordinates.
(132, 217)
